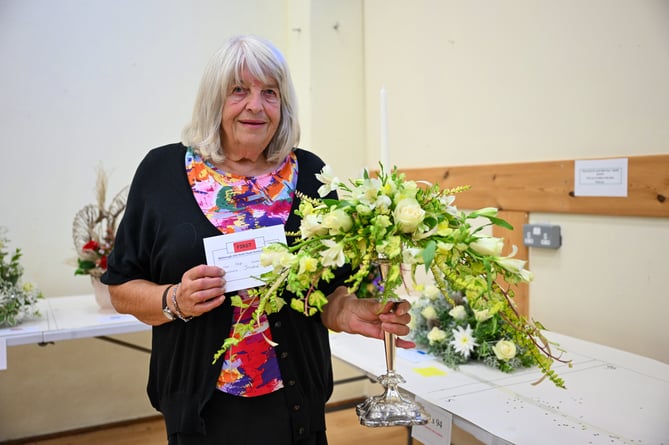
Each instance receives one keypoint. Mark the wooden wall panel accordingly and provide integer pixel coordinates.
(515, 238)
(521, 188)
(549, 187)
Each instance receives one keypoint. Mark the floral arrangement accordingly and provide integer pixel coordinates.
(406, 225)
(455, 332)
(94, 229)
(17, 300)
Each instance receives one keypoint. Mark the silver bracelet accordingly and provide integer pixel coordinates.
(176, 305)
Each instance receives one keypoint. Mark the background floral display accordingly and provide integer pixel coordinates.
(456, 333)
(94, 229)
(409, 225)
(18, 300)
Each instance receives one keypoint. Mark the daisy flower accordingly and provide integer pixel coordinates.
(463, 340)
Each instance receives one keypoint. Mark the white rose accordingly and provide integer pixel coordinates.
(504, 350)
(310, 226)
(436, 335)
(488, 246)
(482, 315)
(431, 292)
(458, 312)
(429, 313)
(408, 215)
(337, 221)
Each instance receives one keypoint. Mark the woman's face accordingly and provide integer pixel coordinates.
(251, 114)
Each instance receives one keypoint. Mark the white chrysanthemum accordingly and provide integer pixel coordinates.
(463, 341)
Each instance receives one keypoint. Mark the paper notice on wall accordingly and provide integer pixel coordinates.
(601, 177)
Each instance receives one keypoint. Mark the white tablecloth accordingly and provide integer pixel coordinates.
(612, 396)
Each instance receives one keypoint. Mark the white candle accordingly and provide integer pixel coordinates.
(385, 151)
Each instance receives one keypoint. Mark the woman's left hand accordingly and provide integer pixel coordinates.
(346, 312)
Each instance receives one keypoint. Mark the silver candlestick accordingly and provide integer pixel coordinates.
(392, 408)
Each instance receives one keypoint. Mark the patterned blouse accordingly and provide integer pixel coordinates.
(235, 203)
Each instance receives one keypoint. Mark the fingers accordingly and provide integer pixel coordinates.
(396, 313)
(397, 307)
(203, 271)
(404, 344)
(202, 289)
(398, 328)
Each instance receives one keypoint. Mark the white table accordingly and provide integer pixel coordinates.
(612, 396)
(68, 318)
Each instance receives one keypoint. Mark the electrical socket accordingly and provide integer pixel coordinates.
(542, 235)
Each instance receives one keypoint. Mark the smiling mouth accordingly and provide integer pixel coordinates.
(251, 122)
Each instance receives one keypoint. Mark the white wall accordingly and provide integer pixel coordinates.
(468, 82)
(472, 82)
(97, 82)
(87, 83)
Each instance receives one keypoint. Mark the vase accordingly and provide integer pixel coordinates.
(101, 292)
(392, 408)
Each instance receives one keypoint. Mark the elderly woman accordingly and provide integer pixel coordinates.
(236, 169)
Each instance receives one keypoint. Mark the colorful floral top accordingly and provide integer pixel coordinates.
(233, 204)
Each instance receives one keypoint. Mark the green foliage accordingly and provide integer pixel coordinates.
(436, 319)
(380, 226)
(17, 299)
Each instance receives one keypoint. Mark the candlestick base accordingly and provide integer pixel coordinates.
(391, 408)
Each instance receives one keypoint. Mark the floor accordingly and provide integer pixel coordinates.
(343, 429)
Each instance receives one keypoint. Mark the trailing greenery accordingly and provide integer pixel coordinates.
(400, 226)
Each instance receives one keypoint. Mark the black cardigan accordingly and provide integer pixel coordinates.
(159, 238)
